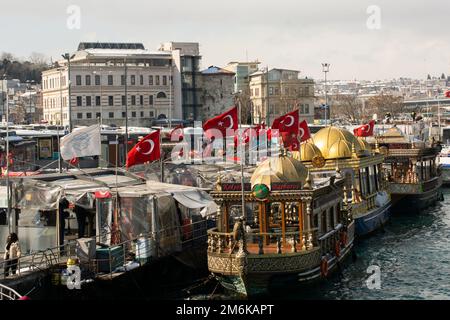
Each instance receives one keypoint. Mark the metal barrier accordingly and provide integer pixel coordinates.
(6, 293)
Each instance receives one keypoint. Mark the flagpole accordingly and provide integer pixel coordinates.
(242, 160)
(161, 162)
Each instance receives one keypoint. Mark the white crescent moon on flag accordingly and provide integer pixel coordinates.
(301, 132)
(231, 121)
(152, 145)
(292, 121)
(368, 128)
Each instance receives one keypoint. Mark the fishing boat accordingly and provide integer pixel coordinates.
(367, 197)
(413, 172)
(293, 228)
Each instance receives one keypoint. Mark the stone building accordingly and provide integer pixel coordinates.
(282, 93)
(217, 94)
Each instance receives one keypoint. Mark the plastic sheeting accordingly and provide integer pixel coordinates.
(197, 200)
(168, 225)
(33, 194)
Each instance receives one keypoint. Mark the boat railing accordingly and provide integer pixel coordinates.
(115, 256)
(7, 293)
(256, 242)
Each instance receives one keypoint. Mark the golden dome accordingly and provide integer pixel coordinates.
(365, 146)
(327, 137)
(340, 149)
(279, 169)
(308, 151)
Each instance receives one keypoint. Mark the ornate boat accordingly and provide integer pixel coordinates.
(366, 193)
(413, 173)
(293, 229)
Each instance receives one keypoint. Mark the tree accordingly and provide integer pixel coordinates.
(346, 107)
(384, 103)
(22, 70)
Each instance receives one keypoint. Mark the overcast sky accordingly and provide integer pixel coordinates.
(412, 41)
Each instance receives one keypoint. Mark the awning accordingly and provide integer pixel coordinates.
(196, 199)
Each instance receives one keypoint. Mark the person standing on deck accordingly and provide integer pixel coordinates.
(12, 254)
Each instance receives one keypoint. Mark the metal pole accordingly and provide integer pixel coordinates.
(439, 120)
(69, 83)
(242, 157)
(7, 163)
(126, 109)
(268, 105)
(326, 97)
(170, 93)
(60, 121)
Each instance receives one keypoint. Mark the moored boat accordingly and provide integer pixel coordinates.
(366, 195)
(413, 172)
(293, 229)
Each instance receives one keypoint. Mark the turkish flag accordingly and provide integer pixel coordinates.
(248, 133)
(176, 134)
(303, 131)
(74, 161)
(148, 149)
(366, 130)
(288, 127)
(447, 94)
(222, 122)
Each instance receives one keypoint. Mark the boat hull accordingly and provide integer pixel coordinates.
(257, 275)
(416, 203)
(446, 175)
(372, 220)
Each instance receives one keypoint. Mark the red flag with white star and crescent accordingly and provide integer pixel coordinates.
(288, 127)
(146, 150)
(365, 130)
(303, 131)
(222, 122)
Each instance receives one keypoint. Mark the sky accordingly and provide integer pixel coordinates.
(376, 39)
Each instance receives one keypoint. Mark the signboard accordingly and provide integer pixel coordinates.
(396, 160)
(235, 187)
(45, 148)
(280, 186)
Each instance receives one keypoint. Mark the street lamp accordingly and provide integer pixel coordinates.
(325, 70)
(69, 57)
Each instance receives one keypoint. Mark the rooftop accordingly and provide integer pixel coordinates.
(216, 70)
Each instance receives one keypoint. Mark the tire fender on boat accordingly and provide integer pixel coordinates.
(337, 249)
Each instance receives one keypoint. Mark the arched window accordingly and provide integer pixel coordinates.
(161, 95)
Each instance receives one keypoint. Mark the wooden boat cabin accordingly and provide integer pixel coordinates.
(292, 229)
(412, 169)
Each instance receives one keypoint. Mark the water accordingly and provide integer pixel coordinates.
(413, 254)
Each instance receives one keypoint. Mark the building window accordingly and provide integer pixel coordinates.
(111, 114)
(150, 80)
(79, 101)
(124, 115)
(79, 115)
(122, 80)
(110, 80)
(141, 100)
(257, 92)
(142, 114)
(88, 101)
(152, 114)
(133, 114)
(161, 95)
(133, 100)
(111, 100)
(133, 80)
(123, 100)
(157, 80)
(89, 115)
(98, 115)
(150, 100)
(97, 80)
(97, 100)
(141, 80)
(78, 80)
(306, 108)
(165, 80)
(88, 80)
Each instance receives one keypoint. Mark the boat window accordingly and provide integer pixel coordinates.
(323, 222)
(332, 222)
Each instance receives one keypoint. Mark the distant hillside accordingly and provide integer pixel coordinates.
(30, 69)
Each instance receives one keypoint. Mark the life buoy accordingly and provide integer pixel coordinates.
(324, 267)
(344, 238)
(187, 228)
(337, 249)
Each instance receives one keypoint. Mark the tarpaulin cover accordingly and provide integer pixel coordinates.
(33, 194)
(168, 225)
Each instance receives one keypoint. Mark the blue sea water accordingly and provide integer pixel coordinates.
(413, 256)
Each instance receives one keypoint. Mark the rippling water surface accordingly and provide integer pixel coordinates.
(413, 254)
